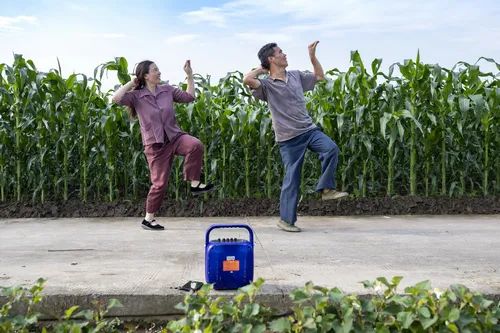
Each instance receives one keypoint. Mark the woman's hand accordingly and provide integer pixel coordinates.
(188, 69)
(190, 80)
(129, 86)
(132, 84)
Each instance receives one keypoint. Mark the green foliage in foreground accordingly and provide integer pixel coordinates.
(72, 320)
(420, 308)
(316, 309)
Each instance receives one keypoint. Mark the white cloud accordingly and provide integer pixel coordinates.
(220, 16)
(180, 39)
(211, 15)
(105, 35)
(77, 7)
(15, 23)
(445, 31)
(262, 37)
(349, 15)
(488, 35)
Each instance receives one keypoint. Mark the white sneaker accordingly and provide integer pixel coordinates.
(333, 194)
(287, 226)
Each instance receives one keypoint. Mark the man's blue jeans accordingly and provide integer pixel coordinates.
(292, 154)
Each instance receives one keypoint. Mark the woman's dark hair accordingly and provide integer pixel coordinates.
(264, 53)
(141, 69)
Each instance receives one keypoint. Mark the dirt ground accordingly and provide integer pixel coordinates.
(258, 207)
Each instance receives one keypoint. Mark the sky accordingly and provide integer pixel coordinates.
(224, 36)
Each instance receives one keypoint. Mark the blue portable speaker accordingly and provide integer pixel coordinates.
(229, 261)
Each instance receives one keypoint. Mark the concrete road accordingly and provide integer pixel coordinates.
(88, 258)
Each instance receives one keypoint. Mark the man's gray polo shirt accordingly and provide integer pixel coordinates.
(286, 102)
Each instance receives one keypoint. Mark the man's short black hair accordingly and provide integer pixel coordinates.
(264, 53)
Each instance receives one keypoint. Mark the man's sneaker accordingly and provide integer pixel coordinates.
(199, 190)
(333, 194)
(151, 225)
(287, 226)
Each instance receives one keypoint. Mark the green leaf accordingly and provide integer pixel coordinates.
(405, 318)
(463, 103)
(454, 315)
(384, 281)
(452, 327)
(485, 303)
(424, 311)
(383, 329)
(383, 123)
(87, 314)
(400, 130)
(299, 295)
(259, 328)
(432, 118)
(426, 323)
(423, 285)
(376, 65)
(69, 312)
(310, 323)
(368, 284)
(478, 100)
(114, 303)
(70, 81)
(396, 280)
(123, 64)
(280, 325)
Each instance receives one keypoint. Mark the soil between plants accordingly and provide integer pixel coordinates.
(195, 207)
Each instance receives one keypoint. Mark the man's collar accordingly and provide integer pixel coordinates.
(277, 78)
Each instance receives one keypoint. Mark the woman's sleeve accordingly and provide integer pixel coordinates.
(127, 100)
(181, 96)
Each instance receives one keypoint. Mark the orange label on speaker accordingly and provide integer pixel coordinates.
(230, 265)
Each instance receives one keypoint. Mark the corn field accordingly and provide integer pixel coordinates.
(418, 129)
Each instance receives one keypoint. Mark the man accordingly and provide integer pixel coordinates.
(293, 127)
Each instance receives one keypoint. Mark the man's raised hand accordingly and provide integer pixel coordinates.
(312, 49)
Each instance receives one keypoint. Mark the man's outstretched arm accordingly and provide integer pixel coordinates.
(318, 70)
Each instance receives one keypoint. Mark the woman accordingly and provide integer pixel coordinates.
(153, 103)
